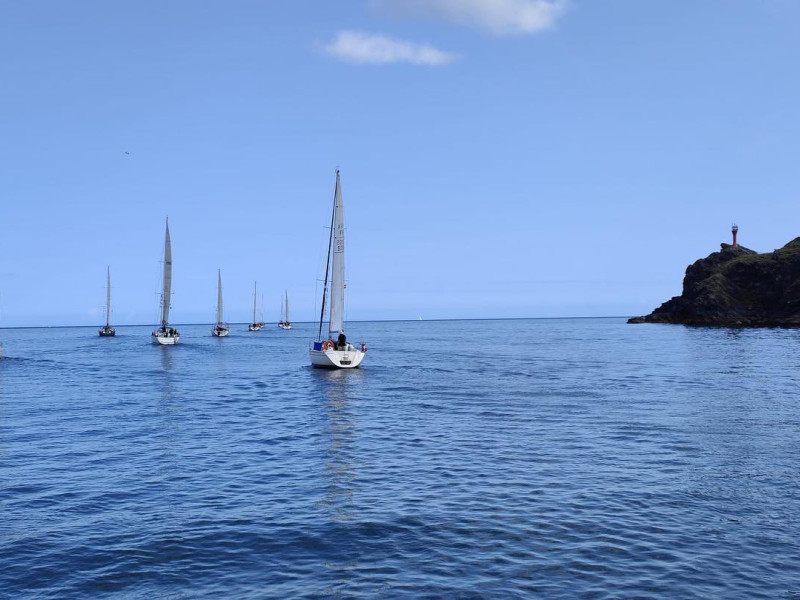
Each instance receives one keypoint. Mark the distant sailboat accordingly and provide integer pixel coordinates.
(335, 352)
(107, 330)
(221, 328)
(166, 335)
(255, 325)
(285, 323)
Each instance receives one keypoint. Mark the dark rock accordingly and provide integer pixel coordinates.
(737, 287)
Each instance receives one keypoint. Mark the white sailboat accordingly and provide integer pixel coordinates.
(335, 352)
(221, 328)
(255, 325)
(285, 323)
(107, 330)
(166, 335)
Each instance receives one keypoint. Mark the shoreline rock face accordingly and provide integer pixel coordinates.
(737, 287)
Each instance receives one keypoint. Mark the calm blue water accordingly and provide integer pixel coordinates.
(467, 459)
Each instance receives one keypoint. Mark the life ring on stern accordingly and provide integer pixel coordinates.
(327, 345)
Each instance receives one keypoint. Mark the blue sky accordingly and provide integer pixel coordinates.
(500, 158)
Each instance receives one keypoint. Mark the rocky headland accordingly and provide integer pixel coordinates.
(737, 287)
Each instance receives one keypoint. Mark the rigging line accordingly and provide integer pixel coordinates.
(317, 280)
(327, 265)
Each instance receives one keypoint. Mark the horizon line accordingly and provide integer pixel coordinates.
(317, 322)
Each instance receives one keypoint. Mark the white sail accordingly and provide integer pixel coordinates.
(286, 313)
(219, 297)
(166, 288)
(336, 325)
(108, 296)
(255, 291)
(335, 352)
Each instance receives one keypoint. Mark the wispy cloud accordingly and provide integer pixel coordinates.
(501, 17)
(365, 48)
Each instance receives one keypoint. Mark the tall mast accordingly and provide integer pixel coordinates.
(219, 297)
(166, 288)
(286, 316)
(108, 295)
(255, 291)
(336, 325)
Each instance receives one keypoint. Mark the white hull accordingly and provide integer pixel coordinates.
(222, 332)
(163, 338)
(336, 359)
(285, 325)
(254, 327)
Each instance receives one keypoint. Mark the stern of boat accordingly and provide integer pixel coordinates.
(350, 358)
(165, 339)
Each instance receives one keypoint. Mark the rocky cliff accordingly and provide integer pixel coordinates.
(737, 287)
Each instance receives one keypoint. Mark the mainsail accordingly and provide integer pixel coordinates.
(286, 307)
(219, 297)
(108, 296)
(255, 290)
(166, 288)
(336, 325)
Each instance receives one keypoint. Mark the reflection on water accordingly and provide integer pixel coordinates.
(340, 469)
(166, 357)
(167, 384)
(220, 354)
(339, 431)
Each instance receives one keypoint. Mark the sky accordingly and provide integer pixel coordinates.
(499, 158)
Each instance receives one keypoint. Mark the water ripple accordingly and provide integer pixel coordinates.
(561, 458)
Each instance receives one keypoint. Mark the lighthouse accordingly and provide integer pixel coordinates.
(734, 231)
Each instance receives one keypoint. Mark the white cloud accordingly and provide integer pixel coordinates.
(365, 48)
(500, 17)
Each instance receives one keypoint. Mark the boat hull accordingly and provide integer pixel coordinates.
(254, 327)
(163, 339)
(220, 332)
(110, 332)
(336, 359)
(285, 325)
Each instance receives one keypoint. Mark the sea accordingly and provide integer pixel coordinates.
(552, 458)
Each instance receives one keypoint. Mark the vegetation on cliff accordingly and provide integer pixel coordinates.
(737, 287)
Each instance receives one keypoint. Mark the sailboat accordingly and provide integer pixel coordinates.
(107, 330)
(255, 325)
(166, 335)
(285, 323)
(335, 352)
(220, 328)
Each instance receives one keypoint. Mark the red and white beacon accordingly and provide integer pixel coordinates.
(734, 231)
